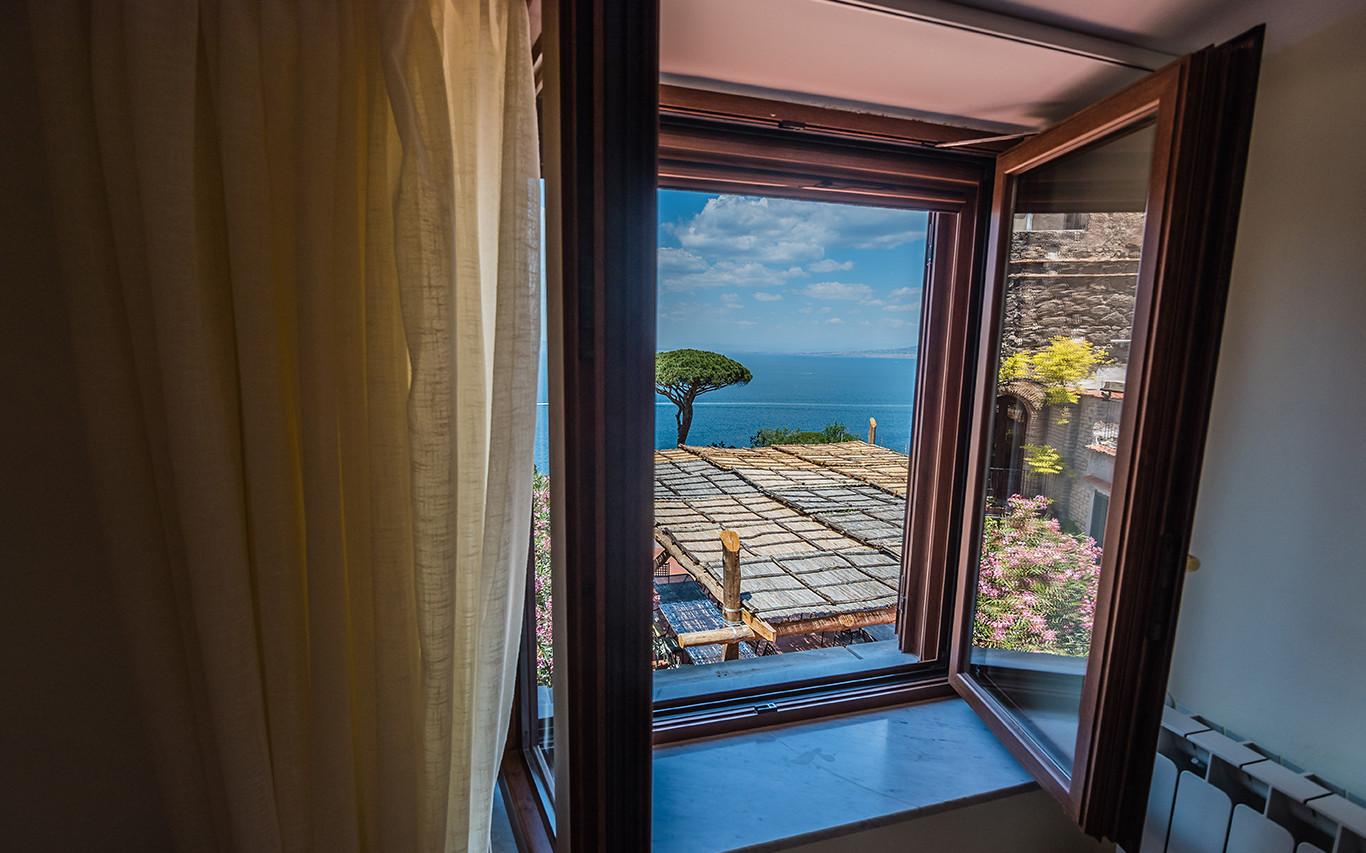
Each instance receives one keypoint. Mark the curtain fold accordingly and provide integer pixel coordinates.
(299, 242)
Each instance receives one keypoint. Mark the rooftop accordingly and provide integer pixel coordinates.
(820, 529)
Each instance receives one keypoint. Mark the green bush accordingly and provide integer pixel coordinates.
(831, 434)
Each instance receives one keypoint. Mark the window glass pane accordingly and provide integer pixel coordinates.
(1071, 280)
(785, 328)
(543, 717)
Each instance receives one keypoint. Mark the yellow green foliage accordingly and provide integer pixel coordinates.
(1042, 459)
(1058, 367)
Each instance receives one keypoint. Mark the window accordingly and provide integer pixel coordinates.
(1068, 591)
(782, 324)
(599, 114)
(821, 574)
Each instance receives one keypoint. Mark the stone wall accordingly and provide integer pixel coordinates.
(1077, 283)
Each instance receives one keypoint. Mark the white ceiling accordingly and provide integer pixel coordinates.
(992, 64)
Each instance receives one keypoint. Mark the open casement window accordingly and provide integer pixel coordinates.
(714, 144)
(1107, 408)
(1093, 390)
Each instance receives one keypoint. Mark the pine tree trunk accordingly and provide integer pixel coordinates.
(684, 418)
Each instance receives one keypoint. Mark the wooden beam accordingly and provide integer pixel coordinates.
(730, 635)
(730, 589)
(703, 577)
(836, 622)
(730, 576)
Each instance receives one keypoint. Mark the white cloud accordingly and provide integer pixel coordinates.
(904, 292)
(787, 231)
(720, 274)
(830, 265)
(894, 322)
(902, 307)
(838, 290)
(672, 261)
(835, 320)
(806, 310)
(761, 296)
(731, 300)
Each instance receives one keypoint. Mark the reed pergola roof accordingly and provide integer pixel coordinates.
(819, 547)
(880, 466)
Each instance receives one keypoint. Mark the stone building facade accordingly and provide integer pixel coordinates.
(1076, 282)
(1072, 276)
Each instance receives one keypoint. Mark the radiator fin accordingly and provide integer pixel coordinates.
(1213, 792)
(1161, 798)
(1199, 818)
(1252, 833)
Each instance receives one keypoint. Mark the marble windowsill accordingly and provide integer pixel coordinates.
(775, 788)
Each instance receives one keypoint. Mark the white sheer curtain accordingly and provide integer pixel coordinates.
(299, 240)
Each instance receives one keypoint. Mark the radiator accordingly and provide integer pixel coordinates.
(1214, 793)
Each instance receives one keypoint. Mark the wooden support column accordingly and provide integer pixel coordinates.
(730, 584)
(872, 430)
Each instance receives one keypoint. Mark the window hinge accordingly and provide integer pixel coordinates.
(766, 708)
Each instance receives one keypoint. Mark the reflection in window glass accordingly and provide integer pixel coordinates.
(543, 722)
(1068, 314)
(786, 330)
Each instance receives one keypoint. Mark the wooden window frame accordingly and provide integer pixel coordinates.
(600, 108)
(1202, 107)
(727, 143)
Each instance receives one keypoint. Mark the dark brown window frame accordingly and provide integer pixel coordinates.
(600, 113)
(727, 143)
(1202, 108)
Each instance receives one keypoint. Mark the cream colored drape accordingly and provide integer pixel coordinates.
(299, 240)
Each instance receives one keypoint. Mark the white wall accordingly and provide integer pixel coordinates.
(1024, 823)
(1272, 635)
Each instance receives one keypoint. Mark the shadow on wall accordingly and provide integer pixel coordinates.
(1032, 822)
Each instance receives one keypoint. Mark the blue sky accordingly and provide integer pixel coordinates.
(745, 274)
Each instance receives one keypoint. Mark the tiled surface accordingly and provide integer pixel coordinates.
(827, 778)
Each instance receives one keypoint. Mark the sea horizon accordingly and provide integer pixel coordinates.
(802, 392)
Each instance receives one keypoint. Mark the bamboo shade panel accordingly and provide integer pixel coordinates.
(792, 566)
(853, 507)
(880, 466)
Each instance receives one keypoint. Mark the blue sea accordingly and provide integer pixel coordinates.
(801, 392)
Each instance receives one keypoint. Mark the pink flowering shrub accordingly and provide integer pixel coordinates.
(1036, 589)
(540, 526)
(540, 529)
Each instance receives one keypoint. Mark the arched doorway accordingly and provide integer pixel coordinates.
(1009, 428)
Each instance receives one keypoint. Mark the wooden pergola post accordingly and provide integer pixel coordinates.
(730, 585)
(872, 430)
